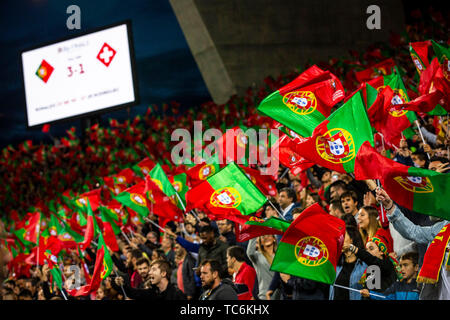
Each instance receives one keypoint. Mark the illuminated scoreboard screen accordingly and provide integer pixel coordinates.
(84, 75)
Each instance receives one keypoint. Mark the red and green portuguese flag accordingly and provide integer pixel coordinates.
(136, 197)
(228, 190)
(419, 54)
(248, 227)
(336, 141)
(102, 269)
(421, 190)
(311, 246)
(305, 102)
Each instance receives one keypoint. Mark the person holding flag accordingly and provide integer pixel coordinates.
(434, 272)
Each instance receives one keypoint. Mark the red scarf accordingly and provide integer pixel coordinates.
(434, 257)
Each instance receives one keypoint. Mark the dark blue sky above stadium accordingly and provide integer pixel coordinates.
(166, 69)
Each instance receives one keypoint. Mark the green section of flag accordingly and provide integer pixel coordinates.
(286, 261)
(158, 176)
(248, 197)
(273, 222)
(303, 124)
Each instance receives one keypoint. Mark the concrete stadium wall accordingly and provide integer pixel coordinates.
(236, 43)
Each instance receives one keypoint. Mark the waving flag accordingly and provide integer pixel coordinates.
(102, 269)
(336, 141)
(421, 190)
(229, 189)
(310, 248)
(305, 102)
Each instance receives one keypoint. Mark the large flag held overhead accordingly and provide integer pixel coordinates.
(229, 189)
(421, 190)
(336, 141)
(311, 246)
(305, 102)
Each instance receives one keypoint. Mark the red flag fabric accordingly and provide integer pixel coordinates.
(381, 68)
(288, 157)
(386, 118)
(32, 227)
(264, 182)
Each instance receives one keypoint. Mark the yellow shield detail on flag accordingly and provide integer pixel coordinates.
(336, 146)
(311, 252)
(415, 184)
(300, 102)
(158, 183)
(105, 269)
(206, 171)
(138, 199)
(227, 197)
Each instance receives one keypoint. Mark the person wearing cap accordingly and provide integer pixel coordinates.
(377, 253)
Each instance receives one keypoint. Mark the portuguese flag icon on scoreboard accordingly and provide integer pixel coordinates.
(44, 71)
(310, 248)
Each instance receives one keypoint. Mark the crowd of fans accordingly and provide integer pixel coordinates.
(201, 259)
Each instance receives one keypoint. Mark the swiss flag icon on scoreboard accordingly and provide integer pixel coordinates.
(106, 54)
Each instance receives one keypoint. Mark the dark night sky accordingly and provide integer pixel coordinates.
(165, 67)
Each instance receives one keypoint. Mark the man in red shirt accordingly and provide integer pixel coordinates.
(243, 275)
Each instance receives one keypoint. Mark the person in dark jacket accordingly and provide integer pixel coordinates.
(211, 247)
(305, 289)
(185, 272)
(214, 286)
(377, 254)
(161, 288)
(405, 289)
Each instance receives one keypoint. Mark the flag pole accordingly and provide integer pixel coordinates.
(283, 174)
(356, 290)
(123, 233)
(381, 204)
(195, 215)
(179, 199)
(421, 135)
(121, 286)
(279, 213)
(62, 292)
(154, 223)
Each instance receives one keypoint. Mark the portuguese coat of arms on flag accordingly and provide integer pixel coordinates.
(311, 246)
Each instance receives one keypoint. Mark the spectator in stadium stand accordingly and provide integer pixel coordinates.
(161, 288)
(135, 279)
(167, 247)
(420, 159)
(215, 287)
(269, 211)
(143, 268)
(349, 202)
(186, 281)
(406, 288)
(305, 289)
(368, 222)
(261, 251)
(349, 269)
(403, 154)
(337, 188)
(243, 275)
(421, 235)
(210, 248)
(377, 253)
(278, 289)
(287, 199)
(439, 164)
(226, 231)
(336, 208)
